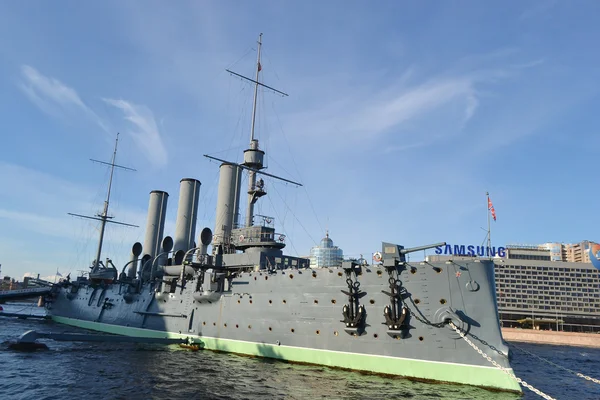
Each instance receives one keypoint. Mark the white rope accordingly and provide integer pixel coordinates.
(501, 368)
(589, 378)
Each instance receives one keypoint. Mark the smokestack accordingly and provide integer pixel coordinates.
(136, 250)
(205, 239)
(187, 211)
(155, 226)
(227, 203)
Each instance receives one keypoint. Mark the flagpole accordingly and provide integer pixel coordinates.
(489, 235)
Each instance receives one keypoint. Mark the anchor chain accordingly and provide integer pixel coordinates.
(500, 367)
(589, 378)
(423, 320)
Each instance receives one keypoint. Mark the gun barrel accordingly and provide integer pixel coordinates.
(429, 246)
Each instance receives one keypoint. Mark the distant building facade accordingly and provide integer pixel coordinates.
(326, 255)
(552, 282)
(570, 252)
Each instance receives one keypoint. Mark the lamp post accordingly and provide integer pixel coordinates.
(532, 314)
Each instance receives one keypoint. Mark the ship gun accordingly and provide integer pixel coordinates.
(393, 254)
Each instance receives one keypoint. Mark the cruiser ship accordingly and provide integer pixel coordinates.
(235, 290)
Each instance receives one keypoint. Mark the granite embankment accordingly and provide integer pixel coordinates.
(551, 337)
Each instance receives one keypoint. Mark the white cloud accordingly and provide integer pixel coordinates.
(472, 104)
(54, 97)
(410, 104)
(362, 117)
(145, 131)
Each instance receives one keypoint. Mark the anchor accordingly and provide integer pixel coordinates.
(354, 313)
(395, 316)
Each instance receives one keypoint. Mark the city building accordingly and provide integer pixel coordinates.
(567, 293)
(326, 254)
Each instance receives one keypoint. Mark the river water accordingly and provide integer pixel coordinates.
(134, 371)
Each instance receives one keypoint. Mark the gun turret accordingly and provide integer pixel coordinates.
(393, 253)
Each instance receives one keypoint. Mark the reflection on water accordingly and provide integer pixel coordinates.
(130, 371)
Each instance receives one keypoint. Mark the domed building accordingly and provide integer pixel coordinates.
(326, 254)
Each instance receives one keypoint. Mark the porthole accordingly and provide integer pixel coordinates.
(372, 301)
(333, 301)
(270, 301)
(266, 277)
(314, 274)
(417, 301)
(204, 323)
(420, 338)
(254, 278)
(250, 301)
(442, 301)
(291, 276)
(318, 332)
(249, 326)
(225, 325)
(339, 274)
(237, 326)
(292, 330)
(316, 301)
(375, 335)
(270, 329)
(335, 333)
(379, 273)
(413, 271)
(239, 302)
(284, 301)
(214, 324)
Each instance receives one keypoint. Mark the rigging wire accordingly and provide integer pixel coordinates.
(297, 170)
(294, 215)
(283, 226)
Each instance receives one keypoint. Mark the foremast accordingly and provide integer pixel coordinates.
(103, 217)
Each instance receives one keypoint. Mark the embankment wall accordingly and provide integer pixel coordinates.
(551, 337)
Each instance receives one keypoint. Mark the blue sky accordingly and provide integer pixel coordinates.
(401, 116)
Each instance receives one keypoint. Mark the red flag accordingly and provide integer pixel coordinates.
(491, 208)
(259, 66)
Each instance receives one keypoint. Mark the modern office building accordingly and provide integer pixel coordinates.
(326, 254)
(550, 286)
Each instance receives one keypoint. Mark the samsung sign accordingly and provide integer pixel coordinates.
(471, 250)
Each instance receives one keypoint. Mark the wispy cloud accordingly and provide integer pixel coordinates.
(364, 117)
(393, 149)
(145, 130)
(54, 97)
(542, 8)
(529, 64)
(413, 103)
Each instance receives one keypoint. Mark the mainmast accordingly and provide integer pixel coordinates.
(104, 217)
(258, 68)
(253, 157)
(229, 189)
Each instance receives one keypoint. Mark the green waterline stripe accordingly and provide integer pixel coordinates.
(484, 376)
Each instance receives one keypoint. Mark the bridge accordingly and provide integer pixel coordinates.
(7, 295)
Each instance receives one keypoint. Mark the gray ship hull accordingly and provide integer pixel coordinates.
(297, 315)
